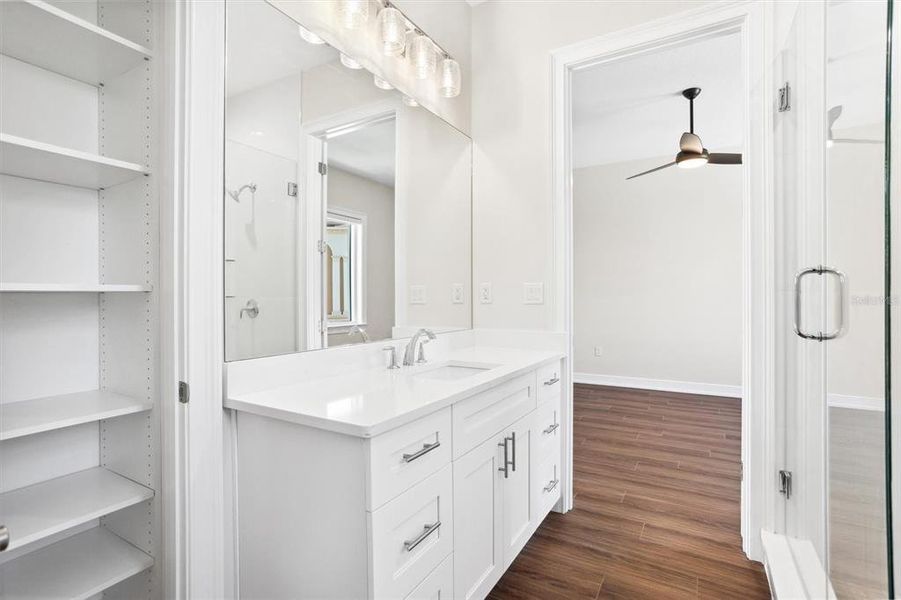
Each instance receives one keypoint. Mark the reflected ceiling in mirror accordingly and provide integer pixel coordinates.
(347, 213)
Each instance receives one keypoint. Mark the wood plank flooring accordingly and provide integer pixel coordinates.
(657, 484)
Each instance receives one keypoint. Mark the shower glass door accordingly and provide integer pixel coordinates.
(854, 288)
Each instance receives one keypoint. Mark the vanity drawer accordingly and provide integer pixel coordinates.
(550, 381)
(411, 535)
(545, 485)
(405, 456)
(478, 418)
(546, 430)
(439, 585)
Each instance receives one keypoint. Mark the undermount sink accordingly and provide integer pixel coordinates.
(453, 371)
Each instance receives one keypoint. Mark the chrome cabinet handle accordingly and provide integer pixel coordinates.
(820, 336)
(513, 439)
(4, 538)
(426, 448)
(504, 469)
(551, 428)
(552, 381)
(427, 530)
(551, 485)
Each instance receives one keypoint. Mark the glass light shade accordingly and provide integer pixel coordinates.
(693, 162)
(381, 83)
(392, 31)
(450, 78)
(411, 102)
(349, 62)
(308, 36)
(423, 56)
(353, 14)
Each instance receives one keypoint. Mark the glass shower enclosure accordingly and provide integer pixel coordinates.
(834, 198)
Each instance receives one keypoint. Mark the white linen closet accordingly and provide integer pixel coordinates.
(80, 467)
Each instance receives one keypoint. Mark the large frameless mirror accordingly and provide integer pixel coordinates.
(347, 211)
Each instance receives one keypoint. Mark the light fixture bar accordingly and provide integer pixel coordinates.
(416, 29)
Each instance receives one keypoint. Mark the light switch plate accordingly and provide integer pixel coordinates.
(485, 293)
(457, 293)
(533, 293)
(417, 294)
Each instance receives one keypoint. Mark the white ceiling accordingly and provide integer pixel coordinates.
(264, 45)
(633, 108)
(367, 152)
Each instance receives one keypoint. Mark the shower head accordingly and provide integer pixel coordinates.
(236, 194)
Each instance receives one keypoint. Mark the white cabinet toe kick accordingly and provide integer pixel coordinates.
(435, 508)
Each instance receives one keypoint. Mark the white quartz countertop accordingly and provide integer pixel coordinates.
(370, 402)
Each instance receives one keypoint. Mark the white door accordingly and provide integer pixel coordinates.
(478, 526)
(518, 511)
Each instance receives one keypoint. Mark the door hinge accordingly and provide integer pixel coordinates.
(323, 168)
(292, 189)
(320, 246)
(785, 101)
(184, 392)
(785, 483)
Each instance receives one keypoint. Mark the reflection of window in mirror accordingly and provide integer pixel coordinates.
(345, 262)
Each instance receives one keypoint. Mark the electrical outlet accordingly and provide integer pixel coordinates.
(533, 293)
(417, 294)
(485, 293)
(598, 350)
(457, 293)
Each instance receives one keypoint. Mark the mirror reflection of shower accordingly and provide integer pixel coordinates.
(236, 194)
(250, 226)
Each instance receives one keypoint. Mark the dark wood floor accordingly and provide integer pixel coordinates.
(656, 512)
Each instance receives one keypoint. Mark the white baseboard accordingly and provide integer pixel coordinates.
(856, 402)
(661, 385)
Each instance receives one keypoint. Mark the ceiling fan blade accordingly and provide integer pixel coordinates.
(724, 158)
(651, 171)
(689, 142)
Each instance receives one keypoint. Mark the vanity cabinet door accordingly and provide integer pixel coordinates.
(478, 532)
(518, 512)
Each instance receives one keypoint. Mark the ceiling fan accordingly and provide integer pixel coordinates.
(691, 152)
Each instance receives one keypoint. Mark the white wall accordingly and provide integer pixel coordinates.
(513, 215)
(376, 201)
(657, 265)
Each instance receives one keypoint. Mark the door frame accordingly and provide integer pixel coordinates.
(750, 20)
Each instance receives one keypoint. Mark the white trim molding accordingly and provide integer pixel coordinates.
(748, 20)
(855, 402)
(660, 385)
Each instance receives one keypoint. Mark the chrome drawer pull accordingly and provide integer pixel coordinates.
(552, 381)
(4, 538)
(550, 486)
(426, 448)
(506, 468)
(552, 428)
(426, 532)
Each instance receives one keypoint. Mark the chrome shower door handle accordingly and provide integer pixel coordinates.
(820, 336)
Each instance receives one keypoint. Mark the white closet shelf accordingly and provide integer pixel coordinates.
(31, 159)
(43, 35)
(35, 512)
(18, 419)
(77, 568)
(73, 287)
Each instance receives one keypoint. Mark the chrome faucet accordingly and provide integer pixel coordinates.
(410, 352)
(354, 329)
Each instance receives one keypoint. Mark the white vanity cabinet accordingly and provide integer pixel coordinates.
(437, 507)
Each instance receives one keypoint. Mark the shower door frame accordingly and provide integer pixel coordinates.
(750, 20)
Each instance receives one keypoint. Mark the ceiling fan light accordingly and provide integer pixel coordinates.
(686, 160)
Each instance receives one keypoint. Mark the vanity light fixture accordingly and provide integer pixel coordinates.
(353, 14)
(309, 37)
(411, 102)
(392, 31)
(381, 83)
(450, 78)
(423, 56)
(350, 63)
